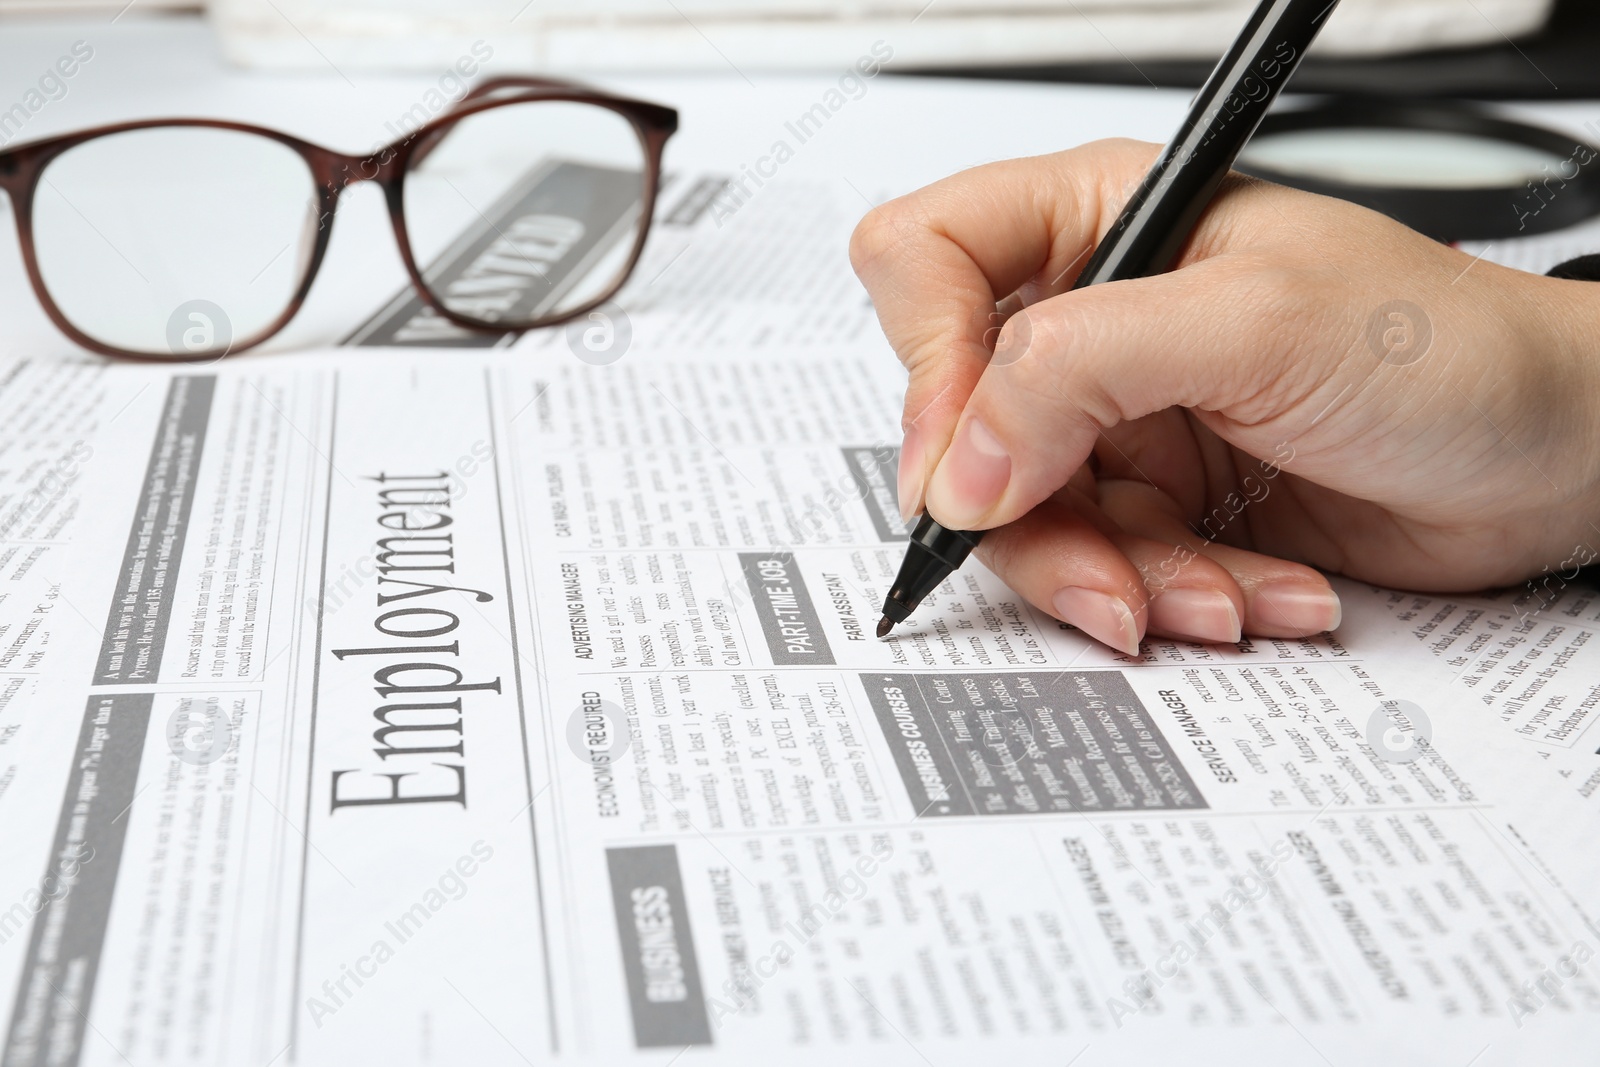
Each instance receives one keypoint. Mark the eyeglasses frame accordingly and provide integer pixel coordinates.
(22, 166)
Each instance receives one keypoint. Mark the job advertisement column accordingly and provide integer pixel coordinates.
(989, 834)
(171, 674)
(1527, 656)
(53, 411)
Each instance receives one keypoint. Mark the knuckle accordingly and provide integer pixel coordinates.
(1117, 155)
(1286, 299)
(1118, 164)
(1065, 370)
(866, 244)
(1053, 331)
(936, 389)
(879, 234)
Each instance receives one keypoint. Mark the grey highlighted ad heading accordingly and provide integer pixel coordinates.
(875, 471)
(55, 992)
(1027, 744)
(136, 630)
(788, 617)
(664, 991)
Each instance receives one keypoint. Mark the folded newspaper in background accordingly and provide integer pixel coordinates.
(513, 704)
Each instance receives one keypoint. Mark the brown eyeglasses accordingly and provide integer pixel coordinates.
(527, 203)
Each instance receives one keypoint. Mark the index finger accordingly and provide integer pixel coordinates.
(937, 262)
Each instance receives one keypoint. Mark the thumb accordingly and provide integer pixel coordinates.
(1242, 342)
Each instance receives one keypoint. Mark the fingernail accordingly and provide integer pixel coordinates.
(1205, 615)
(1308, 609)
(909, 486)
(971, 477)
(1100, 615)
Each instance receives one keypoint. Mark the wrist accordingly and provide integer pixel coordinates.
(1569, 333)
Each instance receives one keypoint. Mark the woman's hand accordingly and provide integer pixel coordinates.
(1312, 384)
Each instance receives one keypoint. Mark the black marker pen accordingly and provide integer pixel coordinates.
(1156, 221)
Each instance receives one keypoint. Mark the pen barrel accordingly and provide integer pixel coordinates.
(1163, 211)
(951, 547)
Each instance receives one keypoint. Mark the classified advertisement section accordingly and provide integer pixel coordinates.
(155, 769)
(985, 833)
(472, 707)
(52, 411)
(988, 856)
(1526, 658)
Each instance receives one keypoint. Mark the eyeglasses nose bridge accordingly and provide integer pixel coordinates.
(382, 167)
(336, 173)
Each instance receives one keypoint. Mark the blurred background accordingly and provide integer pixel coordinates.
(1482, 48)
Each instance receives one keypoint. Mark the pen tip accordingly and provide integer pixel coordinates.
(884, 626)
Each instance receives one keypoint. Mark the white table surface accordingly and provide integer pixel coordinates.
(902, 133)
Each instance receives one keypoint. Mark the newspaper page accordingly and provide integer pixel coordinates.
(492, 708)
(433, 702)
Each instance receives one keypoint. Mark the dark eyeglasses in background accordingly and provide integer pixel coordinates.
(194, 238)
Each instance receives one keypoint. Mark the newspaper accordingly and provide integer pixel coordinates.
(505, 704)
(54, 411)
(1527, 656)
